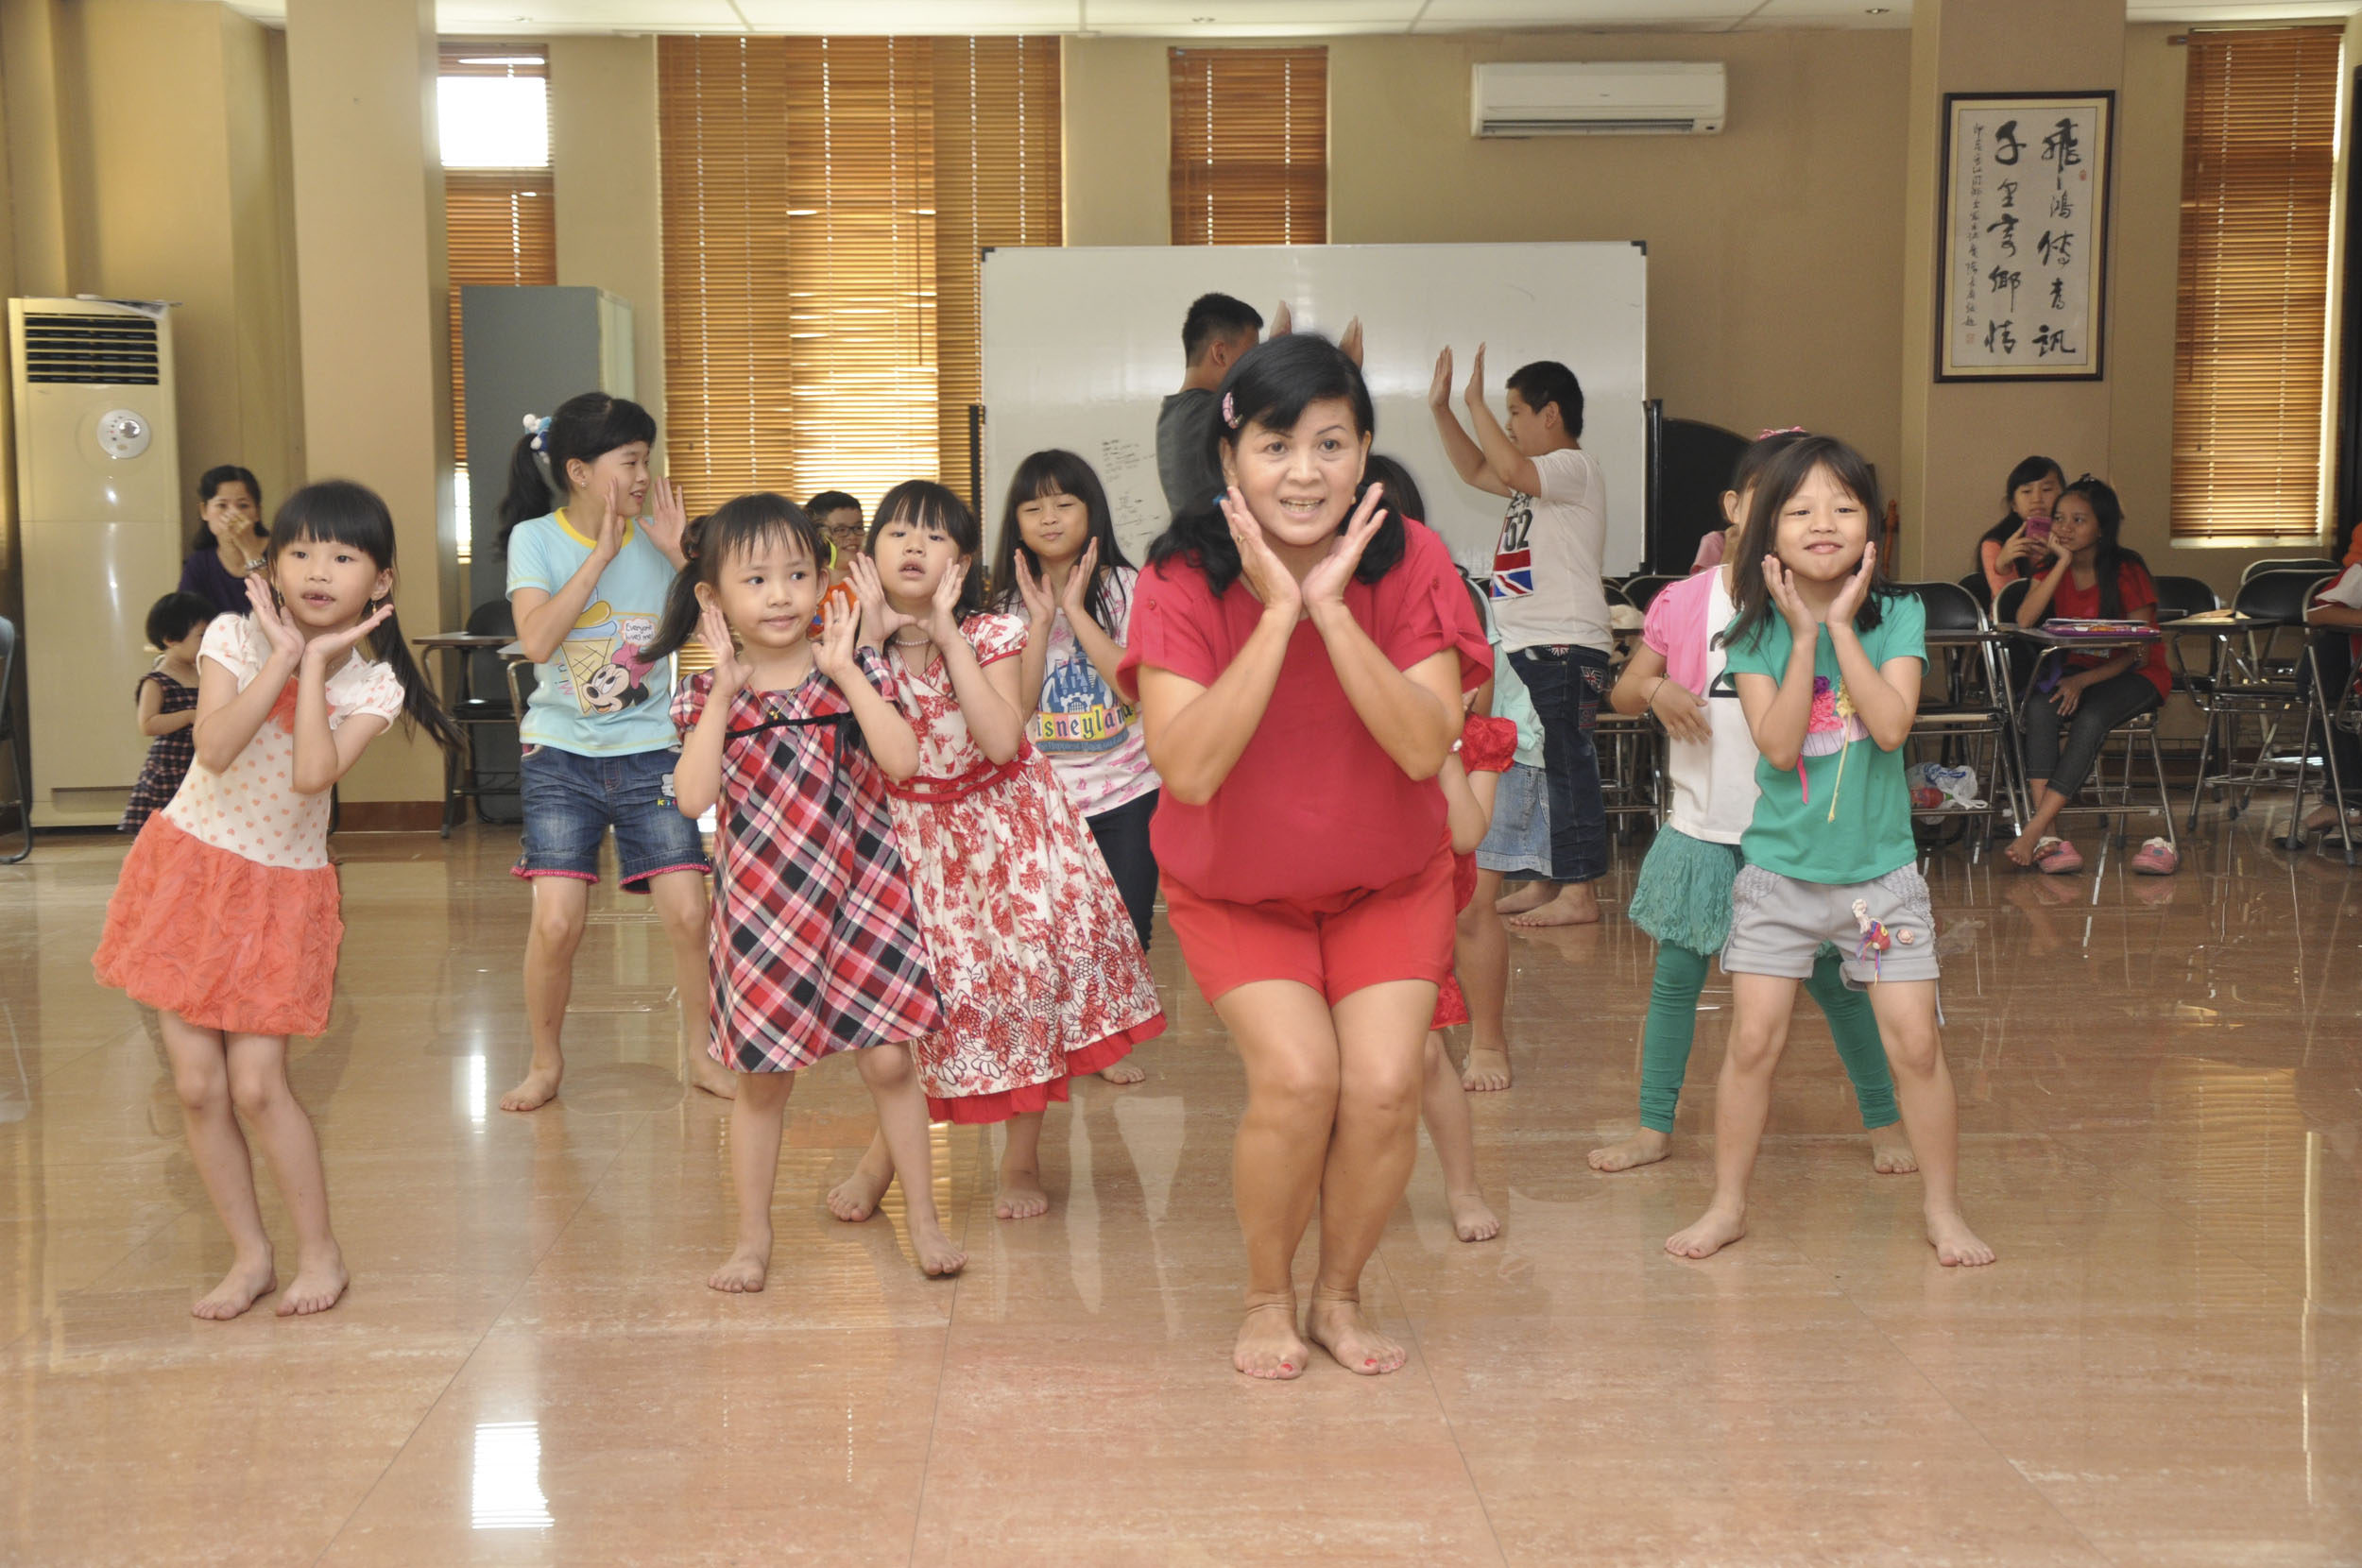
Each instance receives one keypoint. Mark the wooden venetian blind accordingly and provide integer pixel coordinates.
(998, 182)
(822, 197)
(2251, 339)
(1250, 146)
(500, 225)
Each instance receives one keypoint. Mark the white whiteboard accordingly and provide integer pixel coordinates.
(1082, 345)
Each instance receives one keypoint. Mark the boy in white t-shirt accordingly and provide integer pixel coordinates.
(1548, 601)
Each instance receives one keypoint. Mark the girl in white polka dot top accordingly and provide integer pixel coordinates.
(225, 916)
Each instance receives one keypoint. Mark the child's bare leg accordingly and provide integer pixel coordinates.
(1445, 1105)
(1020, 1196)
(561, 905)
(1760, 1005)
(1480, 956)
(2048, 803)
(1923, 1088)
(1530, 895)
(856, 1197)
(679, 897)
(1287, 1045)
(258, 1086)
(757, 1112)
(1379, 1033)
(893, 1080)
(201, 1075)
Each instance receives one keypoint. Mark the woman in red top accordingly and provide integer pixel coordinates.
(2085, 695)
(1299, 657)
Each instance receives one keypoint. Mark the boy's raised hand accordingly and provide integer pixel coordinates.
(1475, 394)
(1439, 390)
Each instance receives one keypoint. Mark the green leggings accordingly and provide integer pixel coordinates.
(1673, 1023)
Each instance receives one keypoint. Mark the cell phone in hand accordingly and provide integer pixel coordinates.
(2038, 527)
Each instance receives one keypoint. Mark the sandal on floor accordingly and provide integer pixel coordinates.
(2055, 858)
(2157, 858)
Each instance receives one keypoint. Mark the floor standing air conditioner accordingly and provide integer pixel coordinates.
(99, 506)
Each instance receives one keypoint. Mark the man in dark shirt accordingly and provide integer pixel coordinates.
(1215, 333)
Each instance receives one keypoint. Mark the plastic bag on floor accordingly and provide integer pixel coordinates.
(1938, 788)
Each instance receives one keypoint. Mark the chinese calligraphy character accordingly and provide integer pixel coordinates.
(2006, 146)
(2008, 225)
(1998, 335)
(2062, 204)
(2061, 146)
(2051, 340)
(2058, 294)
(2058, 247)
(2009, 193)
(2001, 278)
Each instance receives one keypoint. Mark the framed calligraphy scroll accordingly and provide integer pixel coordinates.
(2022, 293)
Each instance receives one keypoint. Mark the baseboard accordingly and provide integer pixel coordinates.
(389, 816)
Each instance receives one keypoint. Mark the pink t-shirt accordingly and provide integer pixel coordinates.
(1315, 805)
(251, 808)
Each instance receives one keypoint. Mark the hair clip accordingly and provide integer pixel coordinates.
(1229, 414)
(1789, 430)
(536, 426)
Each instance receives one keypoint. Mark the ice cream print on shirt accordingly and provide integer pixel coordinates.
(1833, 727)
(1078, 713)
(1512, 558)
(605, 671)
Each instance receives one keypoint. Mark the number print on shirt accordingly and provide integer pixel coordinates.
(1513, 560)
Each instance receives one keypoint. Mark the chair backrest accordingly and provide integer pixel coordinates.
(1975, 583)
(2293, 563)
(8, 678)
(1949, 606)
(2005, 607)
(2280, 595)
(1641, 589)
(492, 618)
(2186, 594)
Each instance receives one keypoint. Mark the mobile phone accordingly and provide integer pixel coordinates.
(2038, 527)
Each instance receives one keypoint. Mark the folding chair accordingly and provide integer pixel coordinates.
(2256, 683)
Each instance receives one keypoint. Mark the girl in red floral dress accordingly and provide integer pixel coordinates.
(1040, 971)
(815, 948)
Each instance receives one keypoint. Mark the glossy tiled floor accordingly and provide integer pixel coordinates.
(2162, 1089)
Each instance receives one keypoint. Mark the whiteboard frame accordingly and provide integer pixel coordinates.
(1084, 342)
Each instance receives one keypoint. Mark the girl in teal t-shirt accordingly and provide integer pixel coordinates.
(1826, 656)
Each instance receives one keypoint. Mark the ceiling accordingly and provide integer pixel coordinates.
(1232, 18)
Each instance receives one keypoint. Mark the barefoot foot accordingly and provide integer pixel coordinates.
(856, 1197)
(1486, 1068)
(1715, 1230)
(1267, 1346)
(1020, 1196)
(1576, 905)
(1644, 1146)
(320, 1283)
(248, 1280)
(1528, 895)
(745, 1270)
(1472, 1217)
(714, 1079)
(1956, 1245)
(538, 1088)
(1126, 1071)
(937, 1258)
(1891, 1150)
(1335, 1323)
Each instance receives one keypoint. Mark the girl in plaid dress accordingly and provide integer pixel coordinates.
(167, 695)
(815, 942)
(1040, 970)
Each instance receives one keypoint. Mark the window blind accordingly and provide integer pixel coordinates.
(823, 199)
(2250, 338)
(1250, 146)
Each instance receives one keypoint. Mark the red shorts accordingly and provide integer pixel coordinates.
(1336, 945)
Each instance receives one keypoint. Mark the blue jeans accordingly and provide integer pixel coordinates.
(571, 800)
(1567, 684)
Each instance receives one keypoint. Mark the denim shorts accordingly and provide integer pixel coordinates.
(571, 800)
(1519, 842)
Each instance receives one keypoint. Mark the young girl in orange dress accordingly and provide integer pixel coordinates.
(225, 917)
(1041, 974)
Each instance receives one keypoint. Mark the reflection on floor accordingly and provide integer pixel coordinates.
(2162, 1109)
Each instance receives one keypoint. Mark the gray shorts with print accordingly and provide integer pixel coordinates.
(1778, 924)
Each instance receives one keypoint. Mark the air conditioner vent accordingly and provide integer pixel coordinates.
(91, 350)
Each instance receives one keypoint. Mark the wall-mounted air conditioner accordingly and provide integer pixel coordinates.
(98, 500)
(1598, 98)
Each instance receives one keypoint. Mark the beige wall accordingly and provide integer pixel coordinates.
(603, 159)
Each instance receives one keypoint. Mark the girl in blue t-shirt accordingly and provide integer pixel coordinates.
(587, 583)
(1825, 654)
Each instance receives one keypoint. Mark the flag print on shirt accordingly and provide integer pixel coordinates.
(1513, 560)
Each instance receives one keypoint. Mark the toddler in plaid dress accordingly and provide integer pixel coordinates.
(815, 941)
